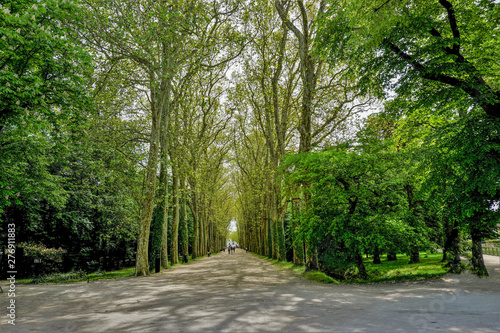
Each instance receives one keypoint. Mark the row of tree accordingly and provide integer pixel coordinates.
(422, 173)
(132, 129)
(113, 135)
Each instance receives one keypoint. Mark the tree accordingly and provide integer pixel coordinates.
(234, 236)
(440, 59)
(335, 110)
(309, 64)
(266, 84)
(462, 166)
(44, 73)
(442, 50)
(358, 204)
(174, 35)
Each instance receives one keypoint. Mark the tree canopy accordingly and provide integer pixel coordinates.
(329, 130)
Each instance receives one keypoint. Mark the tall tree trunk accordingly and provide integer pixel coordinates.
(141, 265)
(281, 240)
(141, 262)
(275, 239)
(194, 207)
(269, 239)
(196, 228)
(207, 236)
(159, 229)
(451, 250)
(376, 256)
(175, 218)
(298, 246)
(202, 208)
(361, 266)
(185, 231)
(392, 256)
(310, 71)
(212, 238)
(163, 187)
(263, 231)
(203, 222)
(478, 266)
(414, 250)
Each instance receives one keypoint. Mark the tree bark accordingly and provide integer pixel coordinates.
(478, 266)
(160, 98)
(174, 251)
(392, 256)
(414, 256)
(361, 266)
(451, 250)
(185, 236)
(310, 70)
(196, 225)
(414, 250)
(376, 256)
(141, 263)
(163, 187)
(269, 240)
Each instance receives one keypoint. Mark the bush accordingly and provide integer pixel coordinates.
(337, 266)
(494, 242)
(50, 259)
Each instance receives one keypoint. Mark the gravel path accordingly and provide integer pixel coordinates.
(243, 293)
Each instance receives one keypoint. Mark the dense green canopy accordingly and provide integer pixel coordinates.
(330, 130)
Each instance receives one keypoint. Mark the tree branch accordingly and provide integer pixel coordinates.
(382, 5)
(305, 21)
(283, 15)
(453, 22)
(475, 87)
(424, 71)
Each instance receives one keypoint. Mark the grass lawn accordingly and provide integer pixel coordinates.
(430, 267)
(80, 276)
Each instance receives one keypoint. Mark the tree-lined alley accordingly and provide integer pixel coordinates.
(327, 129)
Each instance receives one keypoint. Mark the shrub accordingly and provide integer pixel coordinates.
(50, 259)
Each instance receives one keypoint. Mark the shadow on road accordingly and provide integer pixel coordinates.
(243, 293)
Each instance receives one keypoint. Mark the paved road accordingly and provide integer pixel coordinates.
(242, 293)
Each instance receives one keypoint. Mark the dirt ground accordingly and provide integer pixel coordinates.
(243, 293)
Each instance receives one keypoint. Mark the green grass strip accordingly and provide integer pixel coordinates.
(79, 276)
(430, 267)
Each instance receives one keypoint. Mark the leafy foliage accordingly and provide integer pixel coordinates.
(358, 204)
(434, 52)
(44, 76)
(50, 260)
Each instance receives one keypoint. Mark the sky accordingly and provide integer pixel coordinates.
(232, 226)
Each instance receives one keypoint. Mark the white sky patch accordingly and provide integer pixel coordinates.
(232, 226)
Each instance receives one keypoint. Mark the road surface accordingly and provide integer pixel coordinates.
(243, 293)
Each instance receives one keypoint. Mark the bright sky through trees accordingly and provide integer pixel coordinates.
(320, 131)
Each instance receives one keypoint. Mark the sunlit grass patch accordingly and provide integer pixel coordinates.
(299, 270)
(126, 272)
(321, 277)
(430, 267)
(78, 276)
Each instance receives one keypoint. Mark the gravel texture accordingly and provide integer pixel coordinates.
(243, 293)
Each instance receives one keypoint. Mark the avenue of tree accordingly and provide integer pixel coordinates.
(327, 129)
